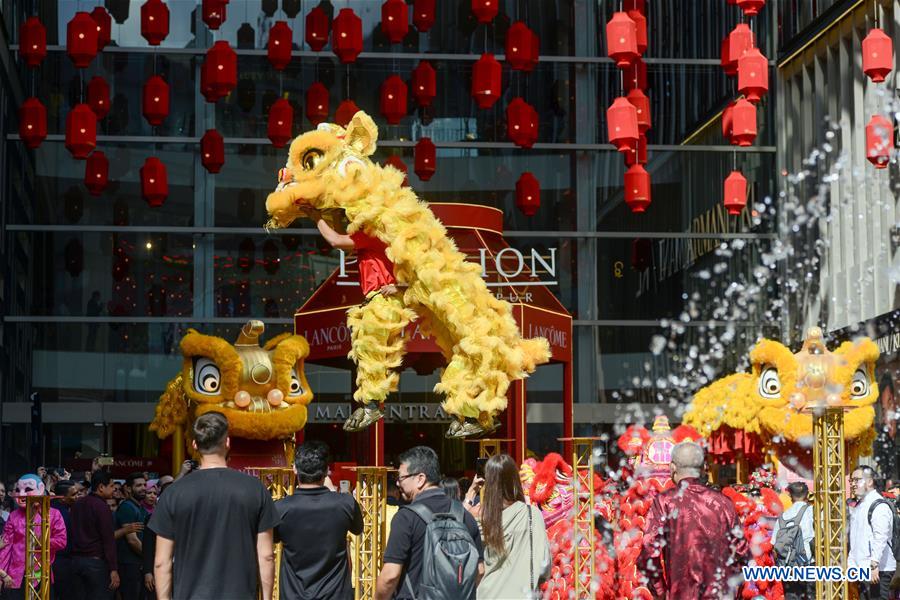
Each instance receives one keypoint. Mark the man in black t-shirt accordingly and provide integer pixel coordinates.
(313, 529)
(418, 479)
(214, 521)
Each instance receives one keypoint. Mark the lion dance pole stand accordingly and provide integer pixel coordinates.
(37, 548)
(583, 478)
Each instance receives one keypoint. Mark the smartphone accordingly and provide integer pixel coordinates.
(345, 486)
(105, 460)
(479, 466)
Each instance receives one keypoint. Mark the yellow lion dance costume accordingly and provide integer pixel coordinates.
(331, 177)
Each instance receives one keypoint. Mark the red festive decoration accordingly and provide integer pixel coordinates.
(634, 76)
(397, 162)
(639, 154)
(640, 24)
(98, 96)
(104, 26)
(638, 5)
(32, 122)
(641, 254)
(424, 83)
(212, 151)
(154, 21)
(622, 124)
(96, 173)
(155, 105)
(485, 10)
(346, 35)
(728, 120)
(81, 131)
(528, 194)
(33, 42)
(423, 14)
(281, 123)
(637, 188)
(751, 8)
(345, 112)
(279, 46)
(74, 255)
(879, 141)
(520, 53)
(317, 28)
(154, 182)
(317, 103)
(219, 71)
(393, 103)
(394, 20)
(753, 75)
(521, 123)
(743, 123)
(486, 80)
(878, 55)
(81, 39)
(733, 47)
(621, 39)
(425, 159)
(735, 193)
(213, 13)
(641, 104)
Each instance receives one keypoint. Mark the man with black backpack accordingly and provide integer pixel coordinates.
(792, 539)
(434, 551)
(874, 535)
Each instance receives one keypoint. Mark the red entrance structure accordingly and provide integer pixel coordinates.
(511, 275)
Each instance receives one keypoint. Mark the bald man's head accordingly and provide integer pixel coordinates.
(687, 459)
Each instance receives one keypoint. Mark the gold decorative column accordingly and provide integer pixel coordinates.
(37, 548)
(583, 497)
(830, 508)
(371, 494)
(279, 482)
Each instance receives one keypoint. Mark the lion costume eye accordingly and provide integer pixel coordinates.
(311, 158)
(207, 378)
(769, 383)
(859, 386)
(296, 387)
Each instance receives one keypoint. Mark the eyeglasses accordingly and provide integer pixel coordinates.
(852, 479)
(400, 478)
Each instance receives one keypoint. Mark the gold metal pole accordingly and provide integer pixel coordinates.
(279, 482)
(583, 478)
(831, 510)
(177, 449)
(37, 548)
(371, 494)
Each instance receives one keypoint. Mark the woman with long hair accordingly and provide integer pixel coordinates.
(516, 549)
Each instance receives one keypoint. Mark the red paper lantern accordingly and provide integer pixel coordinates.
(213, 13)
(641, 104)
(317, 103)
(520, 53)
(751, 8)
(640, 24)
(528, 194)
(735, 193)
(155, 105)
(395, 20)
(621, 39)
(81, 39)
(96, 173)
(425, 159)
(317, 28)
(154, 182)
(753, 75)
(879, 141)
(81, 131)
(878, 55)
(728, 120)
(485, 10)
(424, 83)
(743, 123)
(281, 123)
(637, 188)
(98, 96)
(221, 71)
(345, 112)
(74, 255)
(32, 122)
(397, 162)
(212, 151)
(154, 21)
(104, 26)
(521, 123)
(733, 47)
(393, 99)
(486, 80)
(634, 76)
(423, 14)
(641, 254)
(639, 154)
(622, 124)
(33, 42)
(346, 35)
(278, 49)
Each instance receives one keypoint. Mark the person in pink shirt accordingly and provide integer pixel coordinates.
(12, 554)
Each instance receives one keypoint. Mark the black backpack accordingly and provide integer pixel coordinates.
(894, 540)
(790, 551)
(450, 557)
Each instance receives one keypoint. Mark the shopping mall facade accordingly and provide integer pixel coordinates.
(97, 291)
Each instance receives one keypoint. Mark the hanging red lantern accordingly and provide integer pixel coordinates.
(751, 8)
(104, 26)
(519, 51)
(154, 21)
(397, 162)
(728, 120)
(622, 124)
(394, 20)
(640, 24)
(735, 193)
(393, 99)
(878, 55)
(634, 76)
(733, 47)
(33, 42)
(423, 14)
(154, 182)
(281, 123)
(879, 141)
(98, 96)
(212, 151)
(345, 112)
(81, 39)
(743, 123)
(155, 105)
(425, 159)
(317, 103)
(753, 75)
(528, 194)
(521, 123)
(641, 254)
(221, 70)
(621, 40)
(486, 80)
(32, 122)
(485, 10)
(424, 83)
(213, 13)
(279, 46)
(96, 173)
(639, 154)
(317, 28)
(74, 254)
(641, 103)
(81, 131)
(346, 35)
(637, 188)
